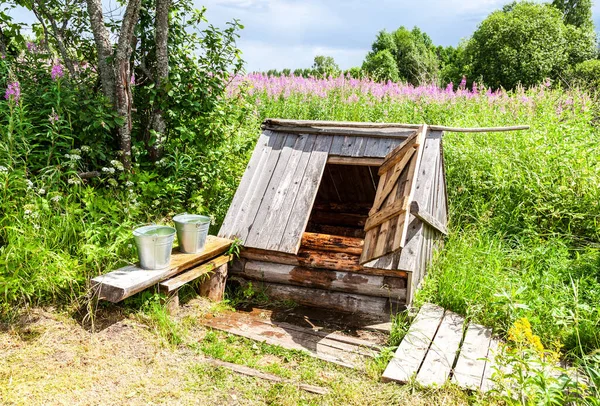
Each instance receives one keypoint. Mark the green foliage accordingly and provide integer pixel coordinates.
(325, 66)
(413, 52)
(587, 74)
(576, 12)
(381, 66)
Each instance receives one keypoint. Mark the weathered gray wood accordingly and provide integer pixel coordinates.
(252, 205)
(274, 195)
(178, 281)
(124, 282)
(438, 363)
(339, 281)
(490, 365)
(214, 287)
(413, 348)
(244, 370)
(345, 131)
(344, 302)
(427, 218)
(305, 198)
(337, 143)
(470, 367)
(279, 216)
(261, 152)
(351, 160)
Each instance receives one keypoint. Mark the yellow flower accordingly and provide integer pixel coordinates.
(522, 334)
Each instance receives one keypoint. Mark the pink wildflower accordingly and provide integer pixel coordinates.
(13, 92)
(57, 72)
(463, 83)
(53, 118)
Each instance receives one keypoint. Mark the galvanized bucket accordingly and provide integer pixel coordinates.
(154, 244)
(192, 230)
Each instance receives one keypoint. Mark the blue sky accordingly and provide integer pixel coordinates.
(290, 33)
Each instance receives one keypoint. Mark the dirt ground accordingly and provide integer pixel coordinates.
(47, 357)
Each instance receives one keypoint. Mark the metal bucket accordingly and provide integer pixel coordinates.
(154, 244)
(192, 230)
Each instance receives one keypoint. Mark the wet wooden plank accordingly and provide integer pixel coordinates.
(438, 363)
(413, 348)
(470, 366)
(127, 281)
(306, 197)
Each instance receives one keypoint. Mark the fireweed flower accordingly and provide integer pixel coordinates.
(13, 92)
(53, 118)
(31, 47)
(57, 72)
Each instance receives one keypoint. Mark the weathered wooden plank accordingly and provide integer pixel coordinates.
(214, 286)
(490, 366)
(244, 370)
(438, 363)
(343, 207)
(352, 160)
(282, 214)
(385, 214)
(391, 180)
(470, 367)
(337, 143)
(332, 243)
(398, 153)
(127, 281)
(306, 196)
(261, 152)
(262, 228)
(338, 219)
(413, 348)
(338, 281)
(344, 302)
(178, 281)
(344, 131)
(336, 230)
(427, 218)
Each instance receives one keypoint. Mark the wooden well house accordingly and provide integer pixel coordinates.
(340, 215)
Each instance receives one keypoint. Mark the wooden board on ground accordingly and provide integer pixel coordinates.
(439, 360)
(470, 366)
(486, 382)
(127, 281)
(347, 351)
(413, 348)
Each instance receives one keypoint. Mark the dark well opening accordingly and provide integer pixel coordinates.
(343, 201)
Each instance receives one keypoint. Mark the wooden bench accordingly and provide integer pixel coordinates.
(129, 280)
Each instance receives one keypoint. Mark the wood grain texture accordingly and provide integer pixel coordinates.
(127, 281)
(213, 287)
(438, 363)
(427, 218)
(338, 281)
(414, 346)
(470, 366)
(332, 243)
(178, 281)
(359, 161)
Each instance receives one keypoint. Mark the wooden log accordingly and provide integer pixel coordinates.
(214, 287)
(332, 243)
(336, 261)
(244, 370)
(124, 282)
(370, 285)
(360, 161)
(345, 207)
(195, 273)
(427, 218)
(337, 230)
(172, 303)
(338, 219)
(343, 302)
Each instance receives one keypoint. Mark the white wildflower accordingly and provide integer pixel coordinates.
(56, 198)
(27, 212)
(42, 191)
(68, 156)
(129, 184)
(212, 219)
(117, 164)
(36, 226)
(112, 182)
(3, 169)
(29, 184)
(75, 157)
(74, 181)
(85, 148)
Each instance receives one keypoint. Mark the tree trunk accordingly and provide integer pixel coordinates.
(104, 49)
(158, 124)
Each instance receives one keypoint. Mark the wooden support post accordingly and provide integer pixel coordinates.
(214, 286)
(172, 302)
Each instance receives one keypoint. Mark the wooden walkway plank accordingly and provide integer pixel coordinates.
(438, 363)
(486, 382)
(470, 366)
(413, 348)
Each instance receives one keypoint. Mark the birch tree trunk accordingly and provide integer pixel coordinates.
(158, 124)
(115, 74)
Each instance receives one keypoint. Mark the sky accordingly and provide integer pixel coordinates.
(282, 34)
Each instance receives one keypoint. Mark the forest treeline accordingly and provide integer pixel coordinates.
(524, 43)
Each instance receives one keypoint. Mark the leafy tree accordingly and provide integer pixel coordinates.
(355, 72)
(413, 52)
(576, 12)
(325, 66)
(587, 74)
(523, 45)
(381, 66)
(454, 63)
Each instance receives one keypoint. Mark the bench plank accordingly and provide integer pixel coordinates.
(127, 281)
(178, 281)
